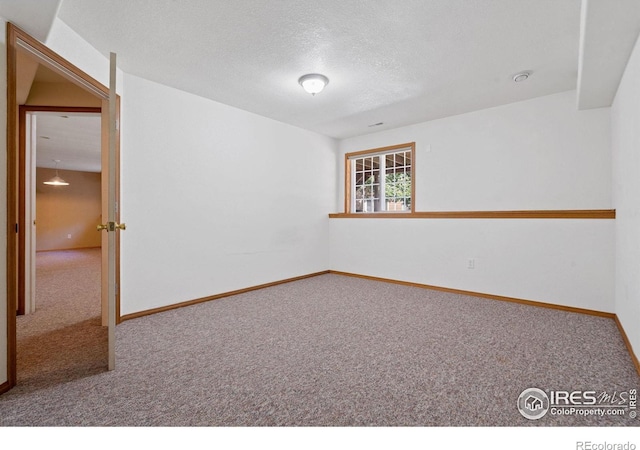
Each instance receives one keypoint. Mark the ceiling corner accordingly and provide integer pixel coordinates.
(608, 33)
(35, 17)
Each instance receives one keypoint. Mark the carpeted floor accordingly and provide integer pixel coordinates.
(332, 351)
(64, 339)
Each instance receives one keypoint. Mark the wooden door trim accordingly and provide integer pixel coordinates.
(16, 38)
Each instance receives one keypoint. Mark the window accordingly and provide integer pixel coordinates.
(380, 180)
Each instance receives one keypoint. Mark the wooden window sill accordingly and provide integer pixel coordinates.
(524, 214)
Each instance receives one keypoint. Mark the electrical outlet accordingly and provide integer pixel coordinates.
(471, 263)
(68, 236)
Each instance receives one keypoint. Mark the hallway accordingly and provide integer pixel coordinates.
(63, 340)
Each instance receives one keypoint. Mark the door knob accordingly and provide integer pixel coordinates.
(111, 226)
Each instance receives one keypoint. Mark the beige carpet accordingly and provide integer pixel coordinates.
(63, 340)
(324, 351)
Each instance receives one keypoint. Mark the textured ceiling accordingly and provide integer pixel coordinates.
(33, 16)
(603, 59)
(72, 138)
(392, 62)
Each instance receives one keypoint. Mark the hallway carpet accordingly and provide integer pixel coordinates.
(63, 340)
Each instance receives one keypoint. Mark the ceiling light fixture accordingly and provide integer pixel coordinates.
(313, 83)
(56, 181)
(522, 76)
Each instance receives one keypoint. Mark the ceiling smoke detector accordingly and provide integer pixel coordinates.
(522, 76)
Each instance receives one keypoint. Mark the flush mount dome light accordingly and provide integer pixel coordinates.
(313, 82)
(522, 76)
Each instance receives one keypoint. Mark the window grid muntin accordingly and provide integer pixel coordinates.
(399, 171)
(398, 164)
(367, 183)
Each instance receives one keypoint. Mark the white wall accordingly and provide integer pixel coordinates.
(68, 44)
(565, 262)
(3, 203)
(625, 119)
(536, 154)
(215, 198)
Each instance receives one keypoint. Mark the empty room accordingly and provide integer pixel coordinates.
(344, 214)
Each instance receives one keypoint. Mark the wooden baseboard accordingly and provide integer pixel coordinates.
(634, 358)
(483, 295)
(217, 296)
(4, 387)
(67, 249)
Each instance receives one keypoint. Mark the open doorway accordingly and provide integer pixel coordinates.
(61, 305)
(54, 138)
(28, 63)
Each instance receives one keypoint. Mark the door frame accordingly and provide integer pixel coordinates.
(16, 38)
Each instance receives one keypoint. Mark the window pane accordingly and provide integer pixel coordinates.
(388, 189)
